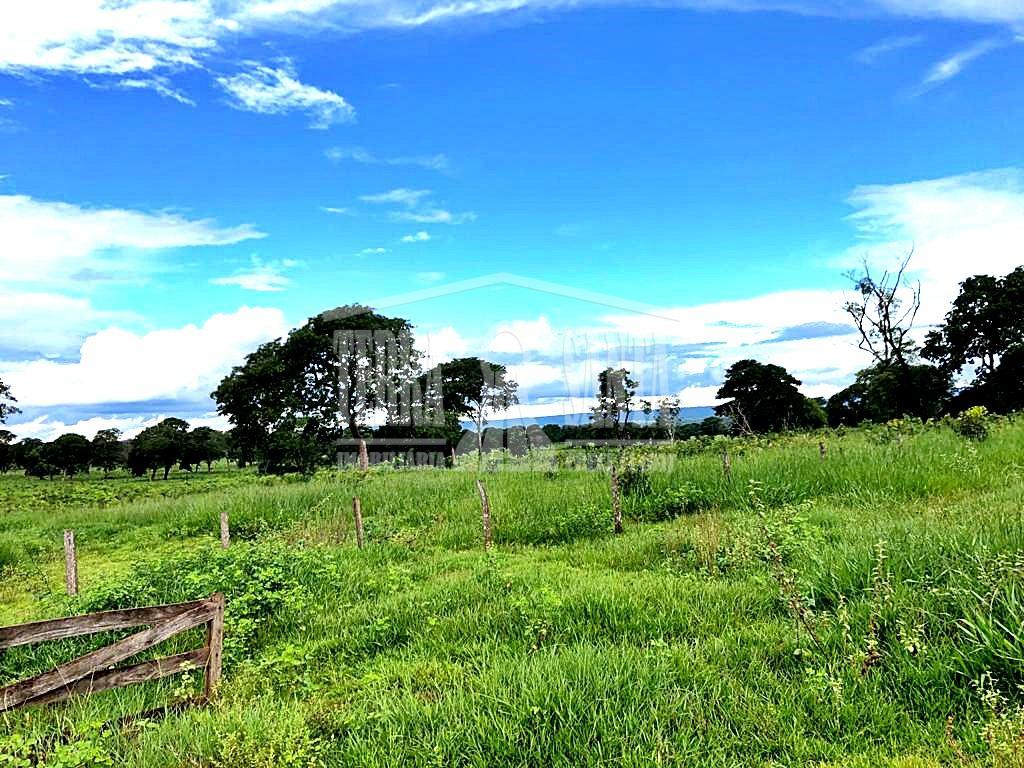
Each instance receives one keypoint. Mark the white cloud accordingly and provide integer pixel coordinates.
(952, 66)
(433, 216)
(117, 365)
(277, 91)
(881, 49)
(374, 14)
(400, 196)
(958, 226)
(437, 162)
(337, 211)
(157, 84)
(260, 276)
(373, 251)
(50, 242)
(103, 37)
(47, 324)
(418, 237)
(122, 37)
(429, 277)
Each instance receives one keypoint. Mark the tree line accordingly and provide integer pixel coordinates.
(353, 373)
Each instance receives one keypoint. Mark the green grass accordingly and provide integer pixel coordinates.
(863, 610)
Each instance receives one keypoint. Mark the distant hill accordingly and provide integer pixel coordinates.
(687, 414)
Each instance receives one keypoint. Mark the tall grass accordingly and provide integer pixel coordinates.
(672, 644)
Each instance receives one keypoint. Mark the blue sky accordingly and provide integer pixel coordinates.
(180, 181)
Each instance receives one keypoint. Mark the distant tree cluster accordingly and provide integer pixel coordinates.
(159, 447)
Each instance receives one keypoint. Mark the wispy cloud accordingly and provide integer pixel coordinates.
(277, 91)
(378, 251)
(264, 277)
(429, 277)
(336, 211)
(433, 216)
(158, 84)
(883, 48)
(437, 162)
(418, 237)
(400, 196)
(953, 65)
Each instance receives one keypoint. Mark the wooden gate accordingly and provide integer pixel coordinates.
(96, 671)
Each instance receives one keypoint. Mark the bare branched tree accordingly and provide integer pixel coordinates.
(885, 313)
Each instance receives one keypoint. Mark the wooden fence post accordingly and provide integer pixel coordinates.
(616, 501)
(821, 449)
(357, 513)
(364, 457)
(726, 465)
(485, 513)
(225, 530)
(214, 645)
(70, 563)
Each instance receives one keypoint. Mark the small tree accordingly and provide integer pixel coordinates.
(884, 313)
(108, 452)
(668, 416)
(205, 445)
(159, 446)
(6, 451)
(615, 393)
(473, 388)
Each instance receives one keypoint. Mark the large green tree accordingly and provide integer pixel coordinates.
(984, 328)
(293, 397)
(884, 392)
(158, 447)
(764, 398)
(69, 453)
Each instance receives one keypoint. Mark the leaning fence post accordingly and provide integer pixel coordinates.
(225, 530)
(616, 501)
(485, 513)
(214, 644)
(357, 513)
(726, 465)
(364, 457)
(70, 563)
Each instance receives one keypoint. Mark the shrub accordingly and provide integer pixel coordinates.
(973, 423)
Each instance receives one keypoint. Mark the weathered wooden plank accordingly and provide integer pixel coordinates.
(122, 676)
(26, 690)
(214, 644)
(91, 623)
(225, 530)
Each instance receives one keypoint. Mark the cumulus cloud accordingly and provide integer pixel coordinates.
(40, 324)
(46, 428)
(52, 242)
(277, 91)
(117, 365)
(416, 237)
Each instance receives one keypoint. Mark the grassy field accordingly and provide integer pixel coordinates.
(863, 609)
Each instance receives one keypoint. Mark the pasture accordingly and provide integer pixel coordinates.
(857, 608)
